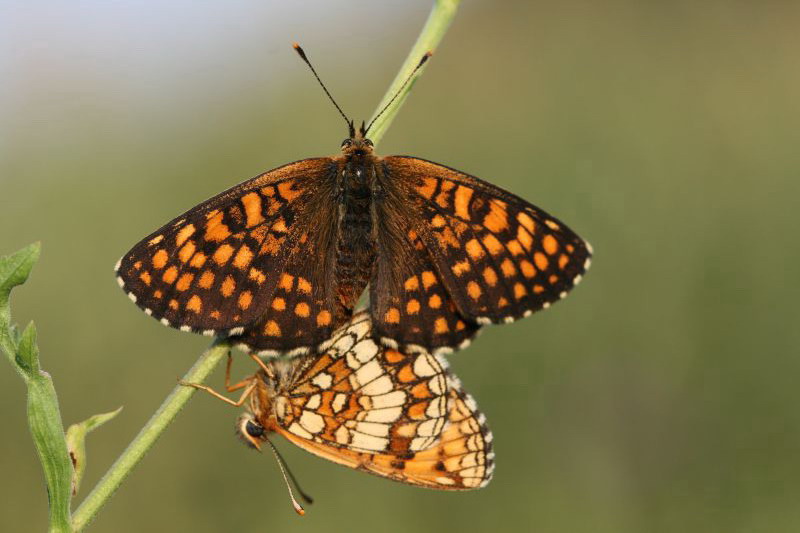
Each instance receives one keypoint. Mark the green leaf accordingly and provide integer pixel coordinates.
(14, 271)
(76, 444)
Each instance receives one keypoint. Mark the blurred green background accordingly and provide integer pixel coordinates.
(661, 396)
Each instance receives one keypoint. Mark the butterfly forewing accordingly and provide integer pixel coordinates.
(499, 257)
(221, 265)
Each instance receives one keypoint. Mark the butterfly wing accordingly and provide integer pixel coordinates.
(361, 396)
(499, 257)
(461, 459)
(245, 258)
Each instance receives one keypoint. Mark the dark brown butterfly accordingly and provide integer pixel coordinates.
(281, 260)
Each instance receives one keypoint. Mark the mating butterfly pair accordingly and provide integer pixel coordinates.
(278, 263)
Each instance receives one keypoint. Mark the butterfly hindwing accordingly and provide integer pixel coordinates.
(409, 300)
(364, 397)
(216, 267)
(500, 257)
(397, 415)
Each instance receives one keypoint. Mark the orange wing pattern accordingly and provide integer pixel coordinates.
(242, 256)
(499, 257)
(362, 397)
(461, 459)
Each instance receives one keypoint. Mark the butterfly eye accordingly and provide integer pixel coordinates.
(368, 142)
(347, 142)
(254, 430)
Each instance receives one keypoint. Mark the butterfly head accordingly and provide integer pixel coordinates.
(357, 144)
(250, 431)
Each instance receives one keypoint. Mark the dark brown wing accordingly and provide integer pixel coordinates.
(499, 257)
(249, 260)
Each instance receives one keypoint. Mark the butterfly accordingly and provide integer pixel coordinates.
(365, 406)
(280, 261)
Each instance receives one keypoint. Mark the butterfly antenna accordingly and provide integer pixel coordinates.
(305, 58)
(400, 90)
(284, 470)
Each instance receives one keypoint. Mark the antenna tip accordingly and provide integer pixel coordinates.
(299, 510)
(299, 50)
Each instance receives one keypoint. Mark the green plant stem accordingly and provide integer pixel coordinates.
(429, 38)
(148, 435)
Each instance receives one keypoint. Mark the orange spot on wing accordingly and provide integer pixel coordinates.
(279, 304)
(519, 290)
(245, 299)
(194, 304)
(158, 294)
(145, 277)
(185, 232)
(508, 268)
(417, 411)
(302, 310)
(173, 304)
(474, 249)
(474, 290)
(216, 231)
(428, 279)
(421, 391)
(438, 221)
(496, 219)
(137, 265)
(215, 315)
(257, 276)
(198, 260)
(427, 188)
(155, 240)
(538, 289)
(412, 307)
(206, 280)
(392, 316)
(434, 302)
(160, 259)
(286, 282)
(185, 281)
(541, 260)
(287, 191)
(502, 302)
(553, 279)
(272, 329)
(563, 259)
(490, 276)
(440, 326)
(524, 238)
(492, 244)
(526, 221)
(187, 251)
(514, 247)
(252, 209)
(303, 285)
(463, 196)
(406, 374)
(243, 257)
(228, 286)
(223, 254)
(527, 268)
(170, 275)
(461, 267)
(412, 283)
(550, 244)
(323, 318)
(393, 356)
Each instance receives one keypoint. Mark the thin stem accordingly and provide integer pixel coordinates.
(432, 33)
(147, 436)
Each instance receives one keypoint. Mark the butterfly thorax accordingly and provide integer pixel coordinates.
(355, 249)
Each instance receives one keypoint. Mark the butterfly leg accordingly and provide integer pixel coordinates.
(248, 384)
(237, 386)
(267, 370)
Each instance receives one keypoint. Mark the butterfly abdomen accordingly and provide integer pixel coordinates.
(355, 250)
